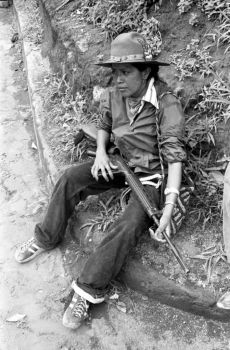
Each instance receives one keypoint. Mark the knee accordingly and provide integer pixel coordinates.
(74, 172)
(78, 174)
(64, 179)
(67, 175)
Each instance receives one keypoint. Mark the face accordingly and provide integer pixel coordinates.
(129, 80)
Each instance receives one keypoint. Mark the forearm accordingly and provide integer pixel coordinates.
(173, 182)
(103, 138)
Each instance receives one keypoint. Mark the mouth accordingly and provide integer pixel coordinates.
(122, 88)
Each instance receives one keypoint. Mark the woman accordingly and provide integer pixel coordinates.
(140, 115)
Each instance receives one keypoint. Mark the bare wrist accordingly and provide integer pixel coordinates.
(101, 149)
(170, 190)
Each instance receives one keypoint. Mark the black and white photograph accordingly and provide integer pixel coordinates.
(115, 174)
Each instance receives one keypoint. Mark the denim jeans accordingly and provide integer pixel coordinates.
(105, 263)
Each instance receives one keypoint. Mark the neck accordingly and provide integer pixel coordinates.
(139, 94)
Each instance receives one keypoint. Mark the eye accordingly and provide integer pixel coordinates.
(125, 72)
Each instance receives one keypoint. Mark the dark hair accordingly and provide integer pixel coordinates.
(154, 69)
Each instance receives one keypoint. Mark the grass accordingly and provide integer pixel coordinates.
(115, 17)
(185, 5)
(212, 106)
(223, 34)
(214, 9)
(212, 256)
(212, 109)
(32, 22)
(193, 59)
(66, 112)
(108, 213)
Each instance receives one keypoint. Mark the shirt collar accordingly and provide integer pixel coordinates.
(151, 95)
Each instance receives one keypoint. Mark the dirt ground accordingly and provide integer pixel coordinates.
(40, 290)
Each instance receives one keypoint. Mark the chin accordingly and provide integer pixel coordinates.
(125, 93)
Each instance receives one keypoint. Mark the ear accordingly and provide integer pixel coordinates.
(146, 73)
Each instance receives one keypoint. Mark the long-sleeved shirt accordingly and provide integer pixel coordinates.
(135, 132)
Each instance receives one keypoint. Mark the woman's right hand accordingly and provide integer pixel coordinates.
(102, 163)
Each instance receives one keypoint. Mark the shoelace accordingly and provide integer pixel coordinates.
(81, 307)
(27, 244)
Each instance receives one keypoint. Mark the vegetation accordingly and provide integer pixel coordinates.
(204, 112)
(108, 213)
(115, 17)
(211, 106)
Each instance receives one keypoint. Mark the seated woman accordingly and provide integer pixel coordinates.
(139, 112)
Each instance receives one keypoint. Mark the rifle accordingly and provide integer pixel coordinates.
(137, 188)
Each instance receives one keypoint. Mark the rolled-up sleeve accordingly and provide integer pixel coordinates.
(105, 115)
(172, 127)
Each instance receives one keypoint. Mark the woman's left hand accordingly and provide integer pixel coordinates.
(164, 225)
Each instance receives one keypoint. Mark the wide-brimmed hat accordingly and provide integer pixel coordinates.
(130, 47)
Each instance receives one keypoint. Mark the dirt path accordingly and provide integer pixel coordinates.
(33, 289)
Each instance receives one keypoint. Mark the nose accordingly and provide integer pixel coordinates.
(118, 77)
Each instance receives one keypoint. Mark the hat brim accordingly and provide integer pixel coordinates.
(109, 63)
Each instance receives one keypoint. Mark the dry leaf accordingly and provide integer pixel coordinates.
(121, 307)
(36, 209)
(217, 176)
(33, 146)
(224, 301)
(16, 318)
(114, 296)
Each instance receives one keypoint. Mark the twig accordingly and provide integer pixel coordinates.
(63, 4)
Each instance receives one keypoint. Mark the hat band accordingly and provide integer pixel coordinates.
(128, 58)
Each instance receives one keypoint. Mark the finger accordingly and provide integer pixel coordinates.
(94, 172)
(109, 171)
(158, 231)
(104, 174)
(168, 231)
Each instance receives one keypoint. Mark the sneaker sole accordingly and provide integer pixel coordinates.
(38, 252)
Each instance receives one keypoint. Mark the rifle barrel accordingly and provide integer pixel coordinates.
(137, 187)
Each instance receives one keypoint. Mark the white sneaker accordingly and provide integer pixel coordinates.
(28, 251)
(76, 312)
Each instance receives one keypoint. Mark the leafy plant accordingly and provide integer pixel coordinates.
(215, 101)
(185, 5)
(223, 33)
(194, 19)
(215, 9)
(212, 256)
(116, 17)
(193, 59)
(212, 109)
(108, 213)
(67, 112)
